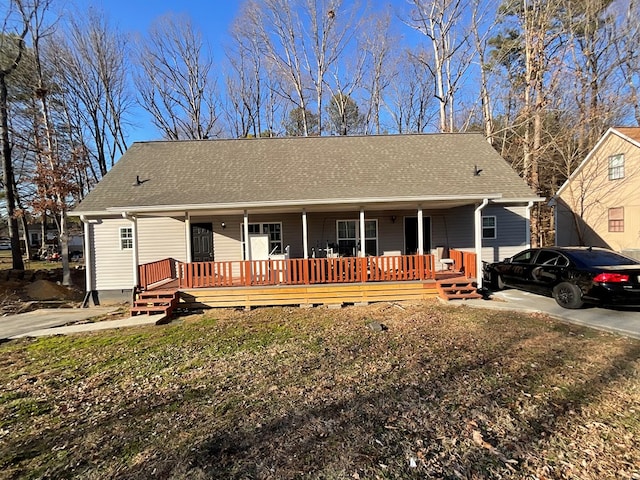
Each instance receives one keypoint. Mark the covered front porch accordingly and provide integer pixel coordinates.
(311, 281)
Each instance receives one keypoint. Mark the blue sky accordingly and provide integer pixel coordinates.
(212, 17)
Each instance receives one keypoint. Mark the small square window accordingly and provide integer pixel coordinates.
(488, 227)
(616, 167)
(126, 238)
(616, 219)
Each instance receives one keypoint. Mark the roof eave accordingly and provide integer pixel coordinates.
(292, 203)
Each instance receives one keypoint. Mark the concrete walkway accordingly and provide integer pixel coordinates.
(55, 322)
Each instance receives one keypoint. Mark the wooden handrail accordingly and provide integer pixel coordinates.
(299, 271)
(154, 272)
(465, 262)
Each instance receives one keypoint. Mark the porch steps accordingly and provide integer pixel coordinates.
(457, 289)
(155, 302)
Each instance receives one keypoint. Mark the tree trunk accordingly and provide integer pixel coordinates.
(9, 179)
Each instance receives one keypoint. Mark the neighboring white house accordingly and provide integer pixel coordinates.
(301, 197)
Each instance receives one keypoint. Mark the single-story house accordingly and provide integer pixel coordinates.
(599, 204)
(225, 203)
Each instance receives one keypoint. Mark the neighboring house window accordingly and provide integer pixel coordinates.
(126, 238)
(349, 237)
(616, 167)
(616, 219)
(489, 227)
(274, 230)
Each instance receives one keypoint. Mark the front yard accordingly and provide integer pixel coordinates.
(283, 393)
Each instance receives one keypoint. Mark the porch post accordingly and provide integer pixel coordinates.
(420, 232)
(362, 233)
(88, 251)
(187, 225)
(134, 251)
(478, 240)
(247, 246)
(305, 241)
(528, 224)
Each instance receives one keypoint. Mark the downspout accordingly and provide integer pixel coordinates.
(528, 225)
(88, 271)
(134, 233)
(478, 240)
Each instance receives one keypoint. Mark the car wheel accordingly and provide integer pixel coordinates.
(500, 283)
(568, 295)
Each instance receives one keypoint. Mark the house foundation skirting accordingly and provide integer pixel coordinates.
(306, 295)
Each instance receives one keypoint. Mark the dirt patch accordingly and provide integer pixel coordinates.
(20, 288)
(47, 290)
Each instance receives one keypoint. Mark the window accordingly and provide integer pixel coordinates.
(524, 257)
(616, 167)
(616, 219)
(489, 227)
(126, 238)
(348, 232)
(274, 230)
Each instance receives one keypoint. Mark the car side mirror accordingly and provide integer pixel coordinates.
(507, 260)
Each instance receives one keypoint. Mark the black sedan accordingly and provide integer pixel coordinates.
(572, 275)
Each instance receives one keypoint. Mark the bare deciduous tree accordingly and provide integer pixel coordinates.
(90, 59)
(441, 21)
(175, 84)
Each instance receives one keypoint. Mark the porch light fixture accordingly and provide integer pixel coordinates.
(223, 225)
(393, 219)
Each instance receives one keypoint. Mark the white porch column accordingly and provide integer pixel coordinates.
(478, 240)
(247, 246)
(305, 240)
(187, 225)
(420, 231)
(87, 254)
(362, 233)
(134, 251)
(528, 224)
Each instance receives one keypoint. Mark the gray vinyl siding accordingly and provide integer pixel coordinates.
(113, 267)
(511, 234)
(161, 237)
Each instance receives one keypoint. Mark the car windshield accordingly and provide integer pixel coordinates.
(593, 258)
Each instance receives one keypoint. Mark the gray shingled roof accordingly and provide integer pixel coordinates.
(288, 170)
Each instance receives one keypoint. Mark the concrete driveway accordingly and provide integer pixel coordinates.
(22, 323)
(622, 321)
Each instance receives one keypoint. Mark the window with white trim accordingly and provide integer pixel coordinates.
(616, 167)
(274, 230)
(126, 238)
(348, 237)
(616, 219)
(489, 230)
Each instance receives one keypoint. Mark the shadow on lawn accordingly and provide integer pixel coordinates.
(428, 414)
(360, 433)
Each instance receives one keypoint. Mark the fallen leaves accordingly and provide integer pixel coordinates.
(278, 393)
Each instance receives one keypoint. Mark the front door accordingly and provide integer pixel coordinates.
(201, 242)
(411, 235)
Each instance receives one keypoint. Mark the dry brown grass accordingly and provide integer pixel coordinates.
(285, 393)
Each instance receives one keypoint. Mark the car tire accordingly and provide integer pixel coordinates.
(500, 283)
(568, 295)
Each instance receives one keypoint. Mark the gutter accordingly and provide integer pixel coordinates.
(288, 203)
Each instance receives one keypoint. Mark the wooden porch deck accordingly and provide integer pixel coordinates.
(254, 284)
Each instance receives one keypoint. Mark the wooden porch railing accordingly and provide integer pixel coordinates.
(154, 272)
(300, 271)
(464, 262)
